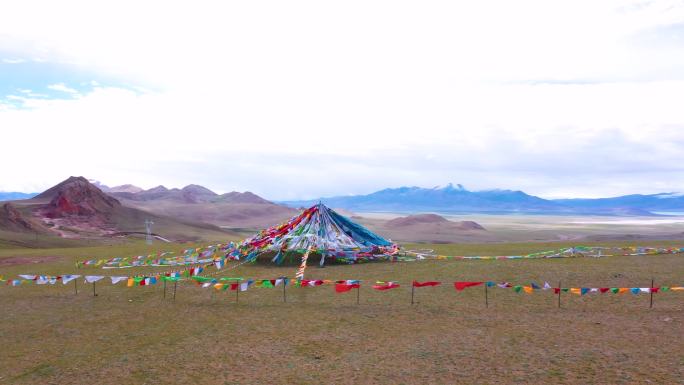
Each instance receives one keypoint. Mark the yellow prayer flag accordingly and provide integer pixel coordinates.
(576, 290)
(528, 289)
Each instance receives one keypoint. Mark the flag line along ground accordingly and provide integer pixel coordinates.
(385, 285)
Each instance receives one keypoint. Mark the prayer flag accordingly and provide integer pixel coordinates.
(386, 286)
(426, 283)
(344, 287)
(462, 285)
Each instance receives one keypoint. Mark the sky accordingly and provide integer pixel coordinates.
(303, 99)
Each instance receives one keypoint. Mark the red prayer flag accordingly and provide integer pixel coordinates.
(556, 290)
(462, 285)
(390, 285)
(427, 283)
(604, 289)
(343, 287)
(234, 286)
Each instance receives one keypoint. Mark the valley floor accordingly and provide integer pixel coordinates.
(132, 335)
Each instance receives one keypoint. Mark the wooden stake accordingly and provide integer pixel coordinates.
(651, 305)
(237, 293)
(413, 291)
(164, 288)
(76, 285)
(94, 295)
(358, 290)
(284, 294)
(559, 293)
(175, 283)
(486, 295)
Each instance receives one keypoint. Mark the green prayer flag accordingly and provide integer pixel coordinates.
(266, 283)
(614, 290)
(517, 288)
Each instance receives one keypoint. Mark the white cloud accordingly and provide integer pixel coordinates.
(13, 61)
(62, 87)
(317, 98)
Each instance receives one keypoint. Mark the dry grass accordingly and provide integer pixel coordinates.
(130, 335)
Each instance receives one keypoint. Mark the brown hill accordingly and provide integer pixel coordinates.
(78, 198)
(238, 197)
(188, 194)
(243, 210)
(429, 228)
(127, 188)
(13, 220)
(75, 208)
(431, 220)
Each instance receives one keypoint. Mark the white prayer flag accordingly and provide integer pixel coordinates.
(116, 280)
(93, 278)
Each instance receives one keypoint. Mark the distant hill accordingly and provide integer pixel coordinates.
(11, 196)
(244, 210)
(457, 199)
(654, 202)
(446, 199)
(76, 208)
(430, 228)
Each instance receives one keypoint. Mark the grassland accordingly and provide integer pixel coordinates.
(131, 335)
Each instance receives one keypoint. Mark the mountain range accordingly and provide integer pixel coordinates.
(78, 208)
(247, 210)
(457, 199)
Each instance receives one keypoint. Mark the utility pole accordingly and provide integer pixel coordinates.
(148, 229)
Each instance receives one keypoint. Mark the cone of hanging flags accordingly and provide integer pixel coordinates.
(426, 283)
(322, 229)
(462, 285)
(385, 285)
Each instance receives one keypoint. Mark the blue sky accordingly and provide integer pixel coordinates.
(308, 98)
